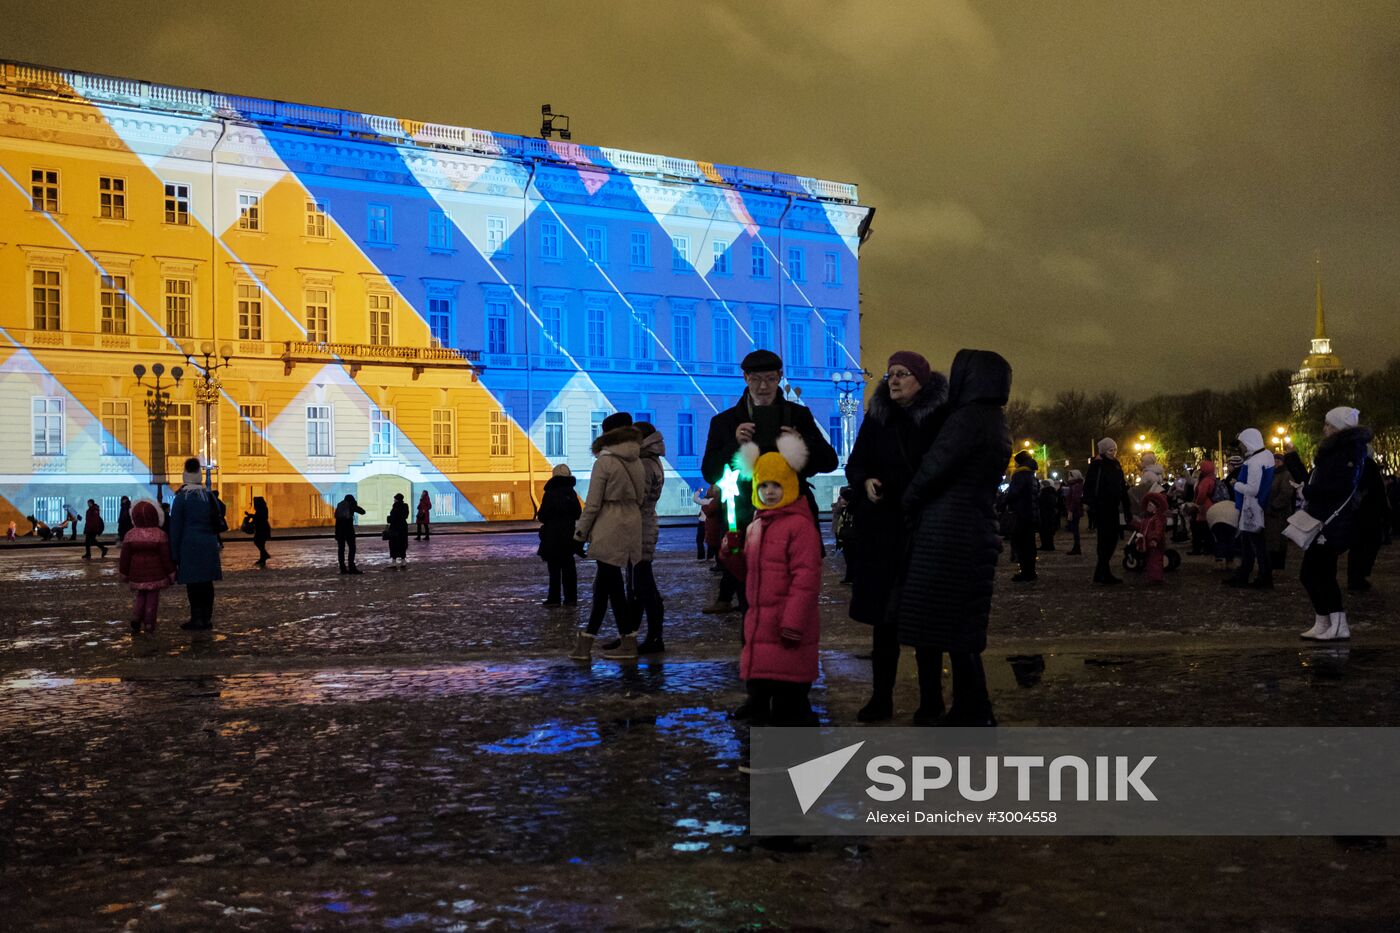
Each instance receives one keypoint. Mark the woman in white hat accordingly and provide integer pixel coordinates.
(1329, 495)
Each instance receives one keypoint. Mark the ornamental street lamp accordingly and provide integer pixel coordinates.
(157, 408)
(847, 384)
(207, 392)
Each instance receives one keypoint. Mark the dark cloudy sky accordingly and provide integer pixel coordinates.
(1110, 193)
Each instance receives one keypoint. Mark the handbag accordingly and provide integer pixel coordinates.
(1251, 515)
(217, 519)
(1302, 529)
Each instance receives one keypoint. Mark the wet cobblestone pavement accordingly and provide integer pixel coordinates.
(409, 749)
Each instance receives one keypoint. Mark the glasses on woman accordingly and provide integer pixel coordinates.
(898, 374)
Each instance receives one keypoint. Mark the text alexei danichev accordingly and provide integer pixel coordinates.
(963, 816)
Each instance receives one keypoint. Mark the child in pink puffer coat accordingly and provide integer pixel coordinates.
(146, 565)
(781, 569)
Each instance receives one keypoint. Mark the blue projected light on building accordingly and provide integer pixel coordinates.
(577, 280)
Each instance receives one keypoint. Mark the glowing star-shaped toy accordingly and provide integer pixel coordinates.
(729, 493)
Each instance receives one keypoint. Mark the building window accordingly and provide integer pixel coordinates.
(439, 230)
(43, 189)
(641, 335)
(503, 503)
(111, 197)
(680, 253)
(551, 330)
(380, 308)
(495, 235)
(762, 333)
(116, 428)
(47, 421)
(640, 252)
(250, 211)
(111, 508)
(446, 505)
(758, 260)
(48, 509)
(797, 343)
(835, 341)
(500, 434)
(252, 427)
(833, 429)
(440, 321)
(497, 328)
(249, 311)
(179, 299)
(318, 315)
(831, 269)
(549, 240)
(113, 300)
(318, 431)
(380, 226)
(595, 425)
(179, 430)
(720, 250)
(723, 337)
(47, 298)
(685, 434)
(444, 432)
(315, 218)
(797, 264)
(381, 433)
(640, 416)
(595, 241)
(554, 434)
(597, 331)
(177, 204)
(683, 337)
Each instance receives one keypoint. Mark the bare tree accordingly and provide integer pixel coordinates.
(1107, 413)
(1018, 419)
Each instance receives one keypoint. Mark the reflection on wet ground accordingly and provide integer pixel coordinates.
(412, 750)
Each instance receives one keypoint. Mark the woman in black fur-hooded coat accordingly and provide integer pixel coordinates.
(946, 596)
(901, 419)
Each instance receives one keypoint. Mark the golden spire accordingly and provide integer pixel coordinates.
(1320, 331)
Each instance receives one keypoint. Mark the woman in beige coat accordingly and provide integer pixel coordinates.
(611, 523)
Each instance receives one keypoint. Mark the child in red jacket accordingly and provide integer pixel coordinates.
(1153, 527)
(781, 569)
(146, 565)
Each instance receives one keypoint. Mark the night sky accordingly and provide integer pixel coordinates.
(1112, 194)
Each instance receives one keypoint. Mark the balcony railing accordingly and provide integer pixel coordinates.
(357, 355)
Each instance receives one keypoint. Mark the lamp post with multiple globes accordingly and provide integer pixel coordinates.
(157, 408)
(847, 384)
(207, 392)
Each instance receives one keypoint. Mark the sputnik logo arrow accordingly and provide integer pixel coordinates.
(811, 778)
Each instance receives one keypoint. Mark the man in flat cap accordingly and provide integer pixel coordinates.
(761, 415)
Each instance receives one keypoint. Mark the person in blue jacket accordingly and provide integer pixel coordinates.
(1252, 486)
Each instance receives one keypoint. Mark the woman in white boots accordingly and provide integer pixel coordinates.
(1329, 496)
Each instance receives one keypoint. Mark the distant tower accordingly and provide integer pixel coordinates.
(1321, 370)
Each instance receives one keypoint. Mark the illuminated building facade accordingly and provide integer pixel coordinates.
(402, 306)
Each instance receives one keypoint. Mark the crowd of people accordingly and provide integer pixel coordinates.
(933, 495)
(1240, 517)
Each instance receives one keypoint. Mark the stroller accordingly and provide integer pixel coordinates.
(1135, 559)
